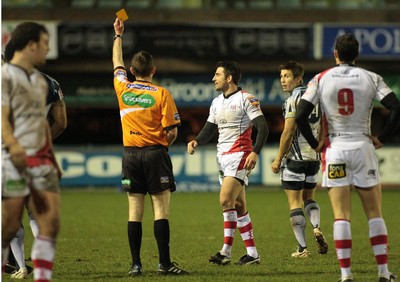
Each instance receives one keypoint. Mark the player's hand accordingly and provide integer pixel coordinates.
(276, 166)
(18, 156)
(377, 143)
(251, 161)
(118, 26)
(320, 147)
(191, 146)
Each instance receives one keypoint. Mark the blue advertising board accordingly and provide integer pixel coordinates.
(376, 41)
(101, 167)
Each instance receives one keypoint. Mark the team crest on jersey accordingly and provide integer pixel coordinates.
(336, 171)
(254, 101)
(176, 116)
(143, 101)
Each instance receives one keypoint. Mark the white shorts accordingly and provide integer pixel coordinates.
(342, 167)
(42, 177)
(232, 165)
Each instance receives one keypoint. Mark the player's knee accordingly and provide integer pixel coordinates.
(227, 204)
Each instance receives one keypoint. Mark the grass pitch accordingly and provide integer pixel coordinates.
(93, 245)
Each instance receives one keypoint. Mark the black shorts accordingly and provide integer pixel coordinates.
(147, 170)
(298, 175)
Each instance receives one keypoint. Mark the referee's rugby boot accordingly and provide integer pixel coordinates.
(322, 245)
(220, 259)
(247, 260)
(136, 270)
(392, 278)
(171, 269)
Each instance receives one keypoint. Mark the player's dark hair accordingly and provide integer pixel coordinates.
(296, 68)
(9, 51)
(142, 63)
(24, 33)
(347, 47)
(231, 68)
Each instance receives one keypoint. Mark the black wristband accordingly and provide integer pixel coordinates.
(117, 35)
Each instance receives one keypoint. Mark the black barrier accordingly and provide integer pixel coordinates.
(194, 41)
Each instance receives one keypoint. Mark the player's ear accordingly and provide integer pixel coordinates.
(153, 71)
(131, 70)
(335, 54)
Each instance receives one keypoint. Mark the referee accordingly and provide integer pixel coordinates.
(150, 121)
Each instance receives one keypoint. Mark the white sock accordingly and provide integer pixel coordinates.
(17, 247)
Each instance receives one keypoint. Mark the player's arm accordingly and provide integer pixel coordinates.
(58, 113)
(205, 135)
(304, 110)
(117, 57)
(17, 152)
(392, 103)
(262, 134)
(284, 143)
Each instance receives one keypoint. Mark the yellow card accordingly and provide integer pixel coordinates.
(122, 15)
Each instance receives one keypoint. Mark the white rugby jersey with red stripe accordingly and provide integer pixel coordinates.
(346, 95)
(25, 95)
(233, 115)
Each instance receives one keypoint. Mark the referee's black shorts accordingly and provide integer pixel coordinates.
(147, 170)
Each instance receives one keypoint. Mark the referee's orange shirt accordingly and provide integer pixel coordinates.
(146, 110)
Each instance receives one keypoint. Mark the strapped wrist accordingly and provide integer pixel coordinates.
(117, 36)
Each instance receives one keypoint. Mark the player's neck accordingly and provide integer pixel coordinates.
(144, 79)
(22, 62)
(232, 89)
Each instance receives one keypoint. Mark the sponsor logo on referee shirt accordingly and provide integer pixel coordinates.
(336, 171)
(143, 100)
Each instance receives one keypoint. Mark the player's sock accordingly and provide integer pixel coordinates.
(311, 208)
(343, 244)
(162, 234)
(135, 240)
(17, 247)
(379, 242)
(43, 252)
(230, 223)
(34, 225)
(245, 227)
(298, 222)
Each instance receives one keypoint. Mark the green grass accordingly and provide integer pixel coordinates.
(93, 246)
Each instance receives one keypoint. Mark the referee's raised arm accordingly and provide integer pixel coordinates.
(117, 45)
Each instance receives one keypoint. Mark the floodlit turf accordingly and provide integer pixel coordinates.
(93, 246)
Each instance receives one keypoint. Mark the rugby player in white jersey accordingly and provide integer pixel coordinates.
(28, 163)
(233, 113)
(299, 163)
(345, 94)
(57, 117)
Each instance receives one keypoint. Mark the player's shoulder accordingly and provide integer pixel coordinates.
(52, 82)
(298, 91)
